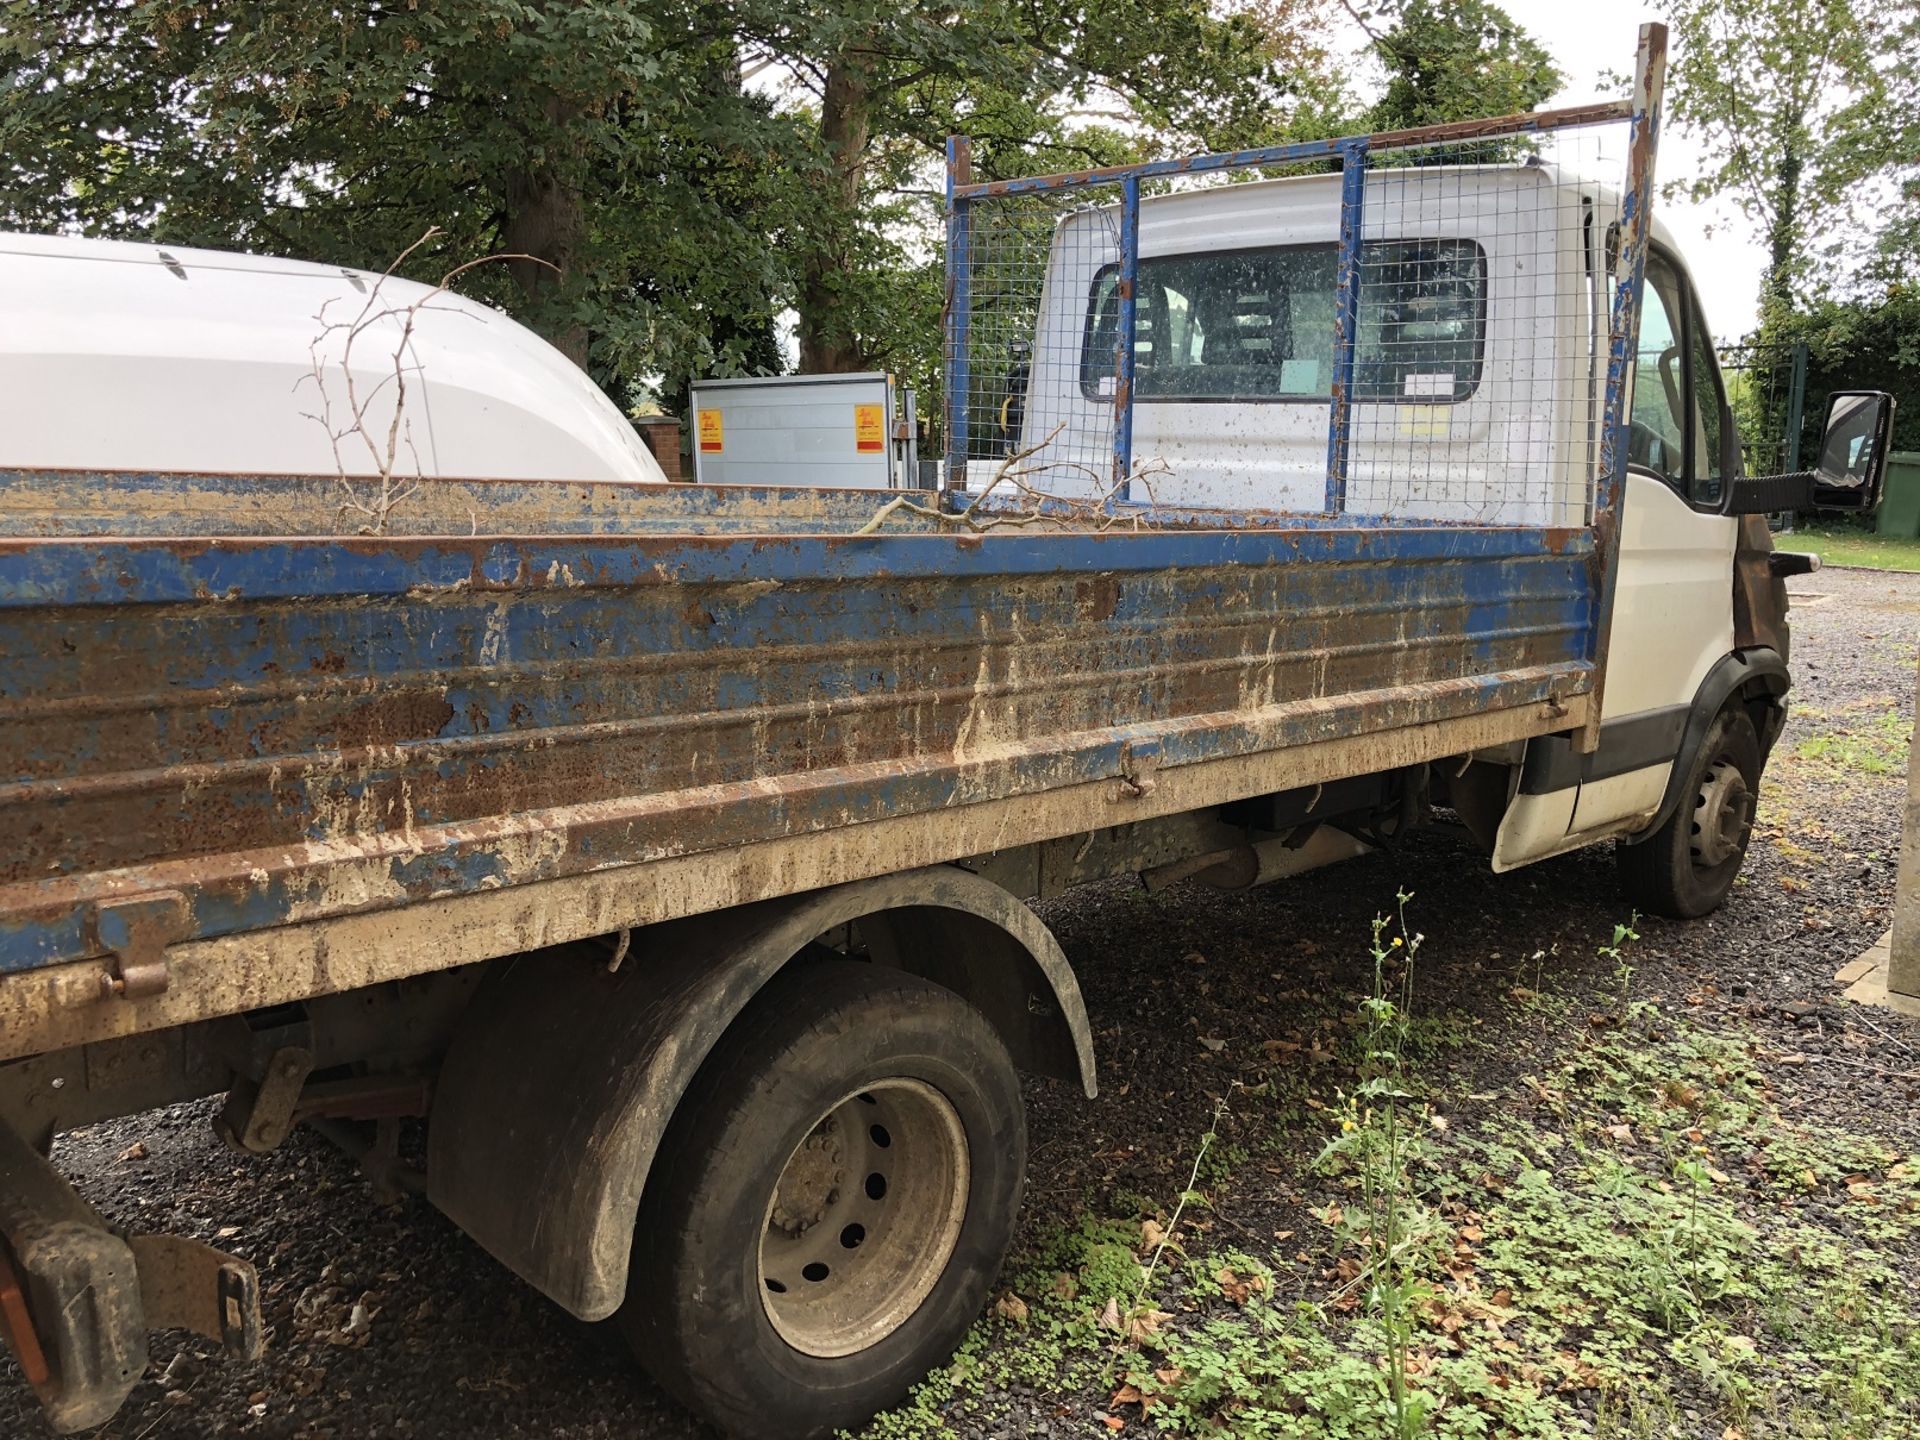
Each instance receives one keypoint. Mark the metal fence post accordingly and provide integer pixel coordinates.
(959, 299)
(1126, 291)
(1346, 318)
(1623, 339)
(1796, 405)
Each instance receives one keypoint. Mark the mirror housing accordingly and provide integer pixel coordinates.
(1851, 466)
(1853, 450)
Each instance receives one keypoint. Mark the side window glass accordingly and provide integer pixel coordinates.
(1655, 440)
(1707, 481)
(1422, 320)
(1258, 324)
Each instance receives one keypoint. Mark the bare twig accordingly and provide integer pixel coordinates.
(1879, 1070)
(1893, 1040)
(383, 454)
(1030, 504)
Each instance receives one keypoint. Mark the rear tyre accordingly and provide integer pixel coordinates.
(831, 1203)
(1687, 867)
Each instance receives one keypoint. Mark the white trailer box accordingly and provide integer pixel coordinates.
(835, 430)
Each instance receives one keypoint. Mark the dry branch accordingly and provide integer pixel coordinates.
(384, 454)
(1033, 505)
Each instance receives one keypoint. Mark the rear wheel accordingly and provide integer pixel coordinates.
(831, 1203)
(1687, 867)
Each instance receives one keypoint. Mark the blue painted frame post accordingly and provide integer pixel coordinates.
(1623, 339)
(1123, 340)
(959, 302)
(1346, 319)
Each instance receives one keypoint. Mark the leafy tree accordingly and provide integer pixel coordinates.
(1860, 344)
(674, 204)
(672, 208)
(1802, 104)
(612, 142)
(887, 81)
(1454, 60)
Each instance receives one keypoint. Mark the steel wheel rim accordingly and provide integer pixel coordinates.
(864, 1218)
(1722, 816)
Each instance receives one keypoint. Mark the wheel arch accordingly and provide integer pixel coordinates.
(562, 1076)
(1757, 679)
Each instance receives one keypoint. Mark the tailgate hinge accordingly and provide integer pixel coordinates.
(136, 933)
(1139, 760)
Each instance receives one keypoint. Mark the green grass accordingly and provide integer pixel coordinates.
(1870, 745)
(1855, 548)
(1635, 1244)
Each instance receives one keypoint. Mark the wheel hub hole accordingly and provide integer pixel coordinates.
(847, 1277)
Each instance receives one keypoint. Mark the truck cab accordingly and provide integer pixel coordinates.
(1478, 392)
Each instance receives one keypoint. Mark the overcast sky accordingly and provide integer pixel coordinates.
(1590, 37)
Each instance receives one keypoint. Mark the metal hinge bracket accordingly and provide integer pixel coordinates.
(135, 933)
(1139, 762)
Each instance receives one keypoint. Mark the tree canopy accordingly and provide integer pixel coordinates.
(1451, 59)
(1802, 107)
(683, 173)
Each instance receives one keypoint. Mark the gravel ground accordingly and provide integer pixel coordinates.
(386, 1321)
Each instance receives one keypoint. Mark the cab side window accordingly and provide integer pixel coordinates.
(1655, 440)
(1706, 482)
(1674, 428)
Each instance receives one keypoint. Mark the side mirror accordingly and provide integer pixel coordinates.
(1853, 450)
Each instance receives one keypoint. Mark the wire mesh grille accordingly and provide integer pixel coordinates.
(1477, 368)
(1479, 364)
(1032, 263)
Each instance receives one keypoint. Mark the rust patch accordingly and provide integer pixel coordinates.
(387, 719)
(1098, 597)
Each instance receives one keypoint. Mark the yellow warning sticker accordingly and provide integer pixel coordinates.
(1426, 421)
(713, 437)
(869, 429)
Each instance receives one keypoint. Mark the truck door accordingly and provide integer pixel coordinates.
(1673, 606)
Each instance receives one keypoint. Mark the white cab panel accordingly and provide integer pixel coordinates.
(1673, 609)
(1507, 444)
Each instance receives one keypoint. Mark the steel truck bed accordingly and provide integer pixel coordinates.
(254, 759)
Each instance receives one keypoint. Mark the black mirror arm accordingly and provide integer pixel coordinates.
(1767, 494)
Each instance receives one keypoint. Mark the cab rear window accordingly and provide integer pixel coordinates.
(1258, 324)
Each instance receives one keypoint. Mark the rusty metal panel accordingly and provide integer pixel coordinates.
(285, 729)
(73, 503)
(61, 1005)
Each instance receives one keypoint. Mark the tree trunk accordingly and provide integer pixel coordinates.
(1783, 237)
(546, 220)
(827, 344)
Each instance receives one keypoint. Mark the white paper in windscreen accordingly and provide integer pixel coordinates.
(1300, 377)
